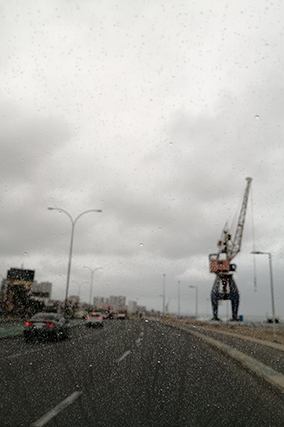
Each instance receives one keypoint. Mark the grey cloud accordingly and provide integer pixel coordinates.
(27, 140)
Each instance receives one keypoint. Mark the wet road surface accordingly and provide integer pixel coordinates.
(132, 373)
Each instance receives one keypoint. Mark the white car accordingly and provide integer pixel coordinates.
(121, 316)
(95, 319)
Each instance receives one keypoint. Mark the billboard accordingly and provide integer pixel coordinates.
(20, 275)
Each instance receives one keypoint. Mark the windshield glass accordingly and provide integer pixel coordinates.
(141, 180)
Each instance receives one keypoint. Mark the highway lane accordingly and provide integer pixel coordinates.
(134, 373)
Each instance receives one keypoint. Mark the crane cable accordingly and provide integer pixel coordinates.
(253, 244)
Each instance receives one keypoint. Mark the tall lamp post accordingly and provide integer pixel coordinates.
(164, 290)
(196, 299)
(73, 223)
(79, 287)
(179, 298)
(271, 288)
(92, 270)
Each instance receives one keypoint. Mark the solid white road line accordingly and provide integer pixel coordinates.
(14, 356)
(273, 377)
(55, 411)
(124, 356)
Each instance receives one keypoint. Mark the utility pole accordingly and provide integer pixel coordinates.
(179, 298)
(164, 290)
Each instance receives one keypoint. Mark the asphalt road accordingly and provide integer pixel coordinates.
(130, 373)
(271, 357)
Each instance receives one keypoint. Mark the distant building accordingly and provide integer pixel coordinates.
(117, 301)
(16, 275)
(16, 290)
(99, 303)
(114, 303)
(42, 289)
(132, 307)
(74, 298)
(41, 294)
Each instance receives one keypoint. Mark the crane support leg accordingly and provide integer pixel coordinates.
(215, 296)
(233, 295)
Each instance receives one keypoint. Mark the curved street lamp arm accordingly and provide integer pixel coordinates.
(62, 210)
(73, 221)
(85, 212)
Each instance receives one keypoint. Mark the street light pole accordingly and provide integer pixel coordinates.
(79, 287)
(196, 299)
(179, 298)
(92, 280)
(271, 289)
(73, 223)
(164, 289)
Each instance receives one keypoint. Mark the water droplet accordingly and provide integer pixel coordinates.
(141, 244)
(26, 254)
(256, 117)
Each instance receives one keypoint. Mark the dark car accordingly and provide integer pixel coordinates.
(108, 316)
(46, 326)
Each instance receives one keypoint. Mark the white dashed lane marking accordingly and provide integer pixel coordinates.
(56, 410)
(125, 354)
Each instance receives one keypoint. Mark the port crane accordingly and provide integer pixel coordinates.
(220, 263)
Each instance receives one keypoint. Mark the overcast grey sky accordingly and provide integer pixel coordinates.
(155, 112)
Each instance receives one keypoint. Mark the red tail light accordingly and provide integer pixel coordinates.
(100, 318)
(88, 317)
(50, 324)
(29, 323)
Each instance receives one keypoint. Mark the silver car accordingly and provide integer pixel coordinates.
(95, 319)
